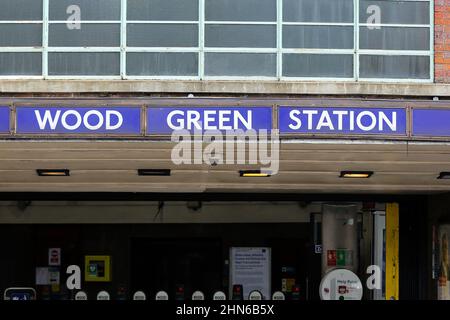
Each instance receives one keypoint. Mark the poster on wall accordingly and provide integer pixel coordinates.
(443, 279)
(251, 268)
(42, 276)
(54, 256)
(97, 268)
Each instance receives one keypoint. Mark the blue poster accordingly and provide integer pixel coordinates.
(341, 120)
(78, 120)
(165, 120)
(431, 122)
(4, 119)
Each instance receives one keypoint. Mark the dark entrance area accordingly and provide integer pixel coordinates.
(171, 264)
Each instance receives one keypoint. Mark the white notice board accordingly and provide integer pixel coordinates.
(251, 268)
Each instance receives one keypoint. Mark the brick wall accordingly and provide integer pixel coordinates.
(442, 41)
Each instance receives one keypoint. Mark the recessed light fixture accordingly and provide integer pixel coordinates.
(356, 174)
(154, 172)
(53, 172)
(444, 175)
(253, 173)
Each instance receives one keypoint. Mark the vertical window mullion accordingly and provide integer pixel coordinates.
(279, 39)
(431, 40)
(123, 39)
(356, 39)
(201, 39)
(45, 28)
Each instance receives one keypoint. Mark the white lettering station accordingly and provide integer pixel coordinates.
(210, 119)
(340, 120)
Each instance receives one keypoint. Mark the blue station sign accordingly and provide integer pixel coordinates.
(343, 121)
(121, 120)
(431, 122)
(133, 120)
(4, 119)
(166, 120)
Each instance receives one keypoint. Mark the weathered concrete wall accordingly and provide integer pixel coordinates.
(166, 88)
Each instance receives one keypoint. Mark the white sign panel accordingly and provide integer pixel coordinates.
(341, 284)
(81, 295)
(103, 295)
(278, 295)
(54, 256)
(42, 276)
(219, 295)
(162, 295)
(250, 267)
(139, 295)
(198, 295)
(255, 295)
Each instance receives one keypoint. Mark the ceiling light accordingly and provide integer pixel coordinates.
(356, 174)
(253, 173)
(444, 175)
(154, 172)
(53, 172)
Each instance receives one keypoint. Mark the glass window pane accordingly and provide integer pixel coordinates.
(162, 35)
(240, 64)
(318, 37)
(318, 65)
(186, 10)
(21, 35)
(162, 64)
(401, 12)
(397, 67)
(394, 38)
(84, 63)
(89, 35)
(248, 36)
(12, 10)
(21, 63)
(318, 11)
(89, 9)
(241, 10)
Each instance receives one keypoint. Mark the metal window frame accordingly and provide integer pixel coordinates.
(201, 48)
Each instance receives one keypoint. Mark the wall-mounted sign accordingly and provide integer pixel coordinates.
(139, 295)
(54, 276)
(166, 120)
(358, 121)
(97, 268)
(219, 295)
(341, 284)
(161, 295)
(4, 119)
(250, 267)
(198, 295)
(54, 256)
(103, 295)
(81, 295)
(431, 122)
(331, 258)
(78, 120)
(19, 294)
(128, 120)
(278, 295)
(255, 295)
(42, 276)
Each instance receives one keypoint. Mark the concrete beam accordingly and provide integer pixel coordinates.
(223, 87)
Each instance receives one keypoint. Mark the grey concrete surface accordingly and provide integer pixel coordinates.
(248, 87)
